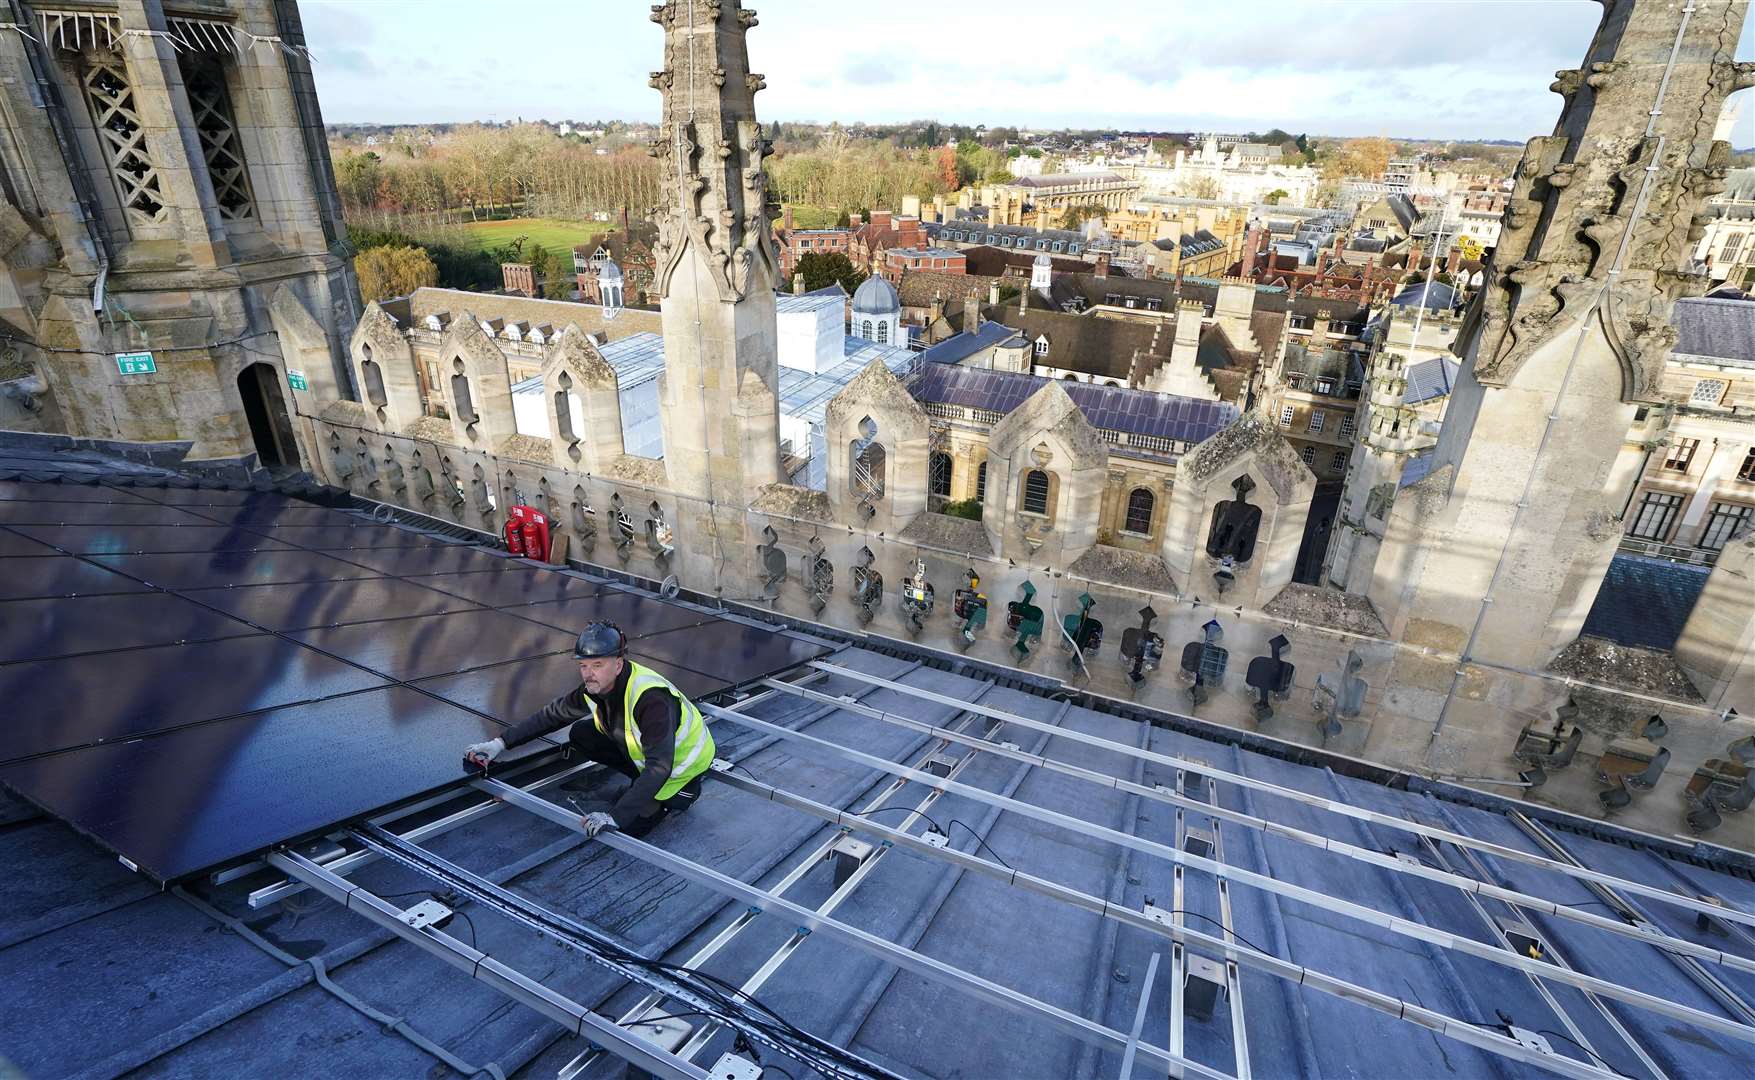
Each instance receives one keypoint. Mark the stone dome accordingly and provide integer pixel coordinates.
(875, 296)
(1043, 260)
(609, 272)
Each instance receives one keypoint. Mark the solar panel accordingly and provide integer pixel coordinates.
(430, 645)
(511, 692)
(193, 571)
(59, 575)
(12, 544)
(357, 535)
(727, 651)
(438, 560)
(192, 799)
(88, 513)
(27, 491)
(101, 697)
(39, 629)
(637, 616)
(309, 605)
(126, 539)
(519, 585)
(172, 496)
(289, 514)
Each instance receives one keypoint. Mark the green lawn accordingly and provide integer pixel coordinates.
(813, 217)
(552, 233)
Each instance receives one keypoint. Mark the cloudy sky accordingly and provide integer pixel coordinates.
(1412, 68)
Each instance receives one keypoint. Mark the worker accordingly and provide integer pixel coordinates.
(630, 718)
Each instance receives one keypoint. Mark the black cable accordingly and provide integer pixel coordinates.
(1504, 1027)
(944, 832)
(1226, 929)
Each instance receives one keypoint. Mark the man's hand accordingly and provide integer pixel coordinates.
(596, 822)
(482, 754)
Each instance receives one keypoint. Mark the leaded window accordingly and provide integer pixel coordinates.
(1725, 521)
(1708, 392)
(1681, 454)
(1140, 504)
(1035, 492)
(117, 120)
(205, 83)
(1656, 514)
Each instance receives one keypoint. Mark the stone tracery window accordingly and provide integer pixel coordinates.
(114, 114)
(1140, 504)
(1035, 492)
(204, 81)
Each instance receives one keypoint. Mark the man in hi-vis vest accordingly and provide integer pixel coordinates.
(629, 717)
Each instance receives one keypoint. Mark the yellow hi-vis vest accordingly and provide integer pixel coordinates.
(694, 744)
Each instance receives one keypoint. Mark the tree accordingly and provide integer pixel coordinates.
(774, 132)
(1074, 217)
(1273, 197)
(388, 272)
(1359, 157)
(822, 269)
(950, 175)
(1203, 187)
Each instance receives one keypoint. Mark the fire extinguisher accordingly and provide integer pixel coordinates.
(515, 537)
(535, 541)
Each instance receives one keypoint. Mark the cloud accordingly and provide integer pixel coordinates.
(873, 71)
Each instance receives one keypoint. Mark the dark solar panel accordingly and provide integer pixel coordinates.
(437, 644)
(636, 615)
(193, 571)
(288, 514)
(12, 544)
(101, 697)
(172, 496)
(511, 692)
(439, 560)
(59, 575)
(335, 538)
(191, 799)
(308, 605)
(24, 490)
(727, 651)
(38, 629)
(520, 585)
(128, 539)
(92, 513)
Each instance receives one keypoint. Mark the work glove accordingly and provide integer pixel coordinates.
(482, 754)
(596, 822)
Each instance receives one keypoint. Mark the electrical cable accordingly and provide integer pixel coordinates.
(944, 832)
(1504, 1026)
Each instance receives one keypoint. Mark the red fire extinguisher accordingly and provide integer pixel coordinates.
(527, 532)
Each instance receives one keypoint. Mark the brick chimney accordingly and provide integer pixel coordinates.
(1251, 245)
(880, 218)
(971, 311)
(938, 309)
(1102, 270)
(1414, 256)
(856, 220)
(908, 229)
(993, 294)
(1321, 261)
(786, 217)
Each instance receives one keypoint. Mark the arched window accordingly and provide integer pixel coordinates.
(981, 483)
(883, 332)
(1140, 504)
(938, 474)
(865, 329)
(1035, 492)
(868, 470)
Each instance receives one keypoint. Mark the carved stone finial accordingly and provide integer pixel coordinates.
(754, 82)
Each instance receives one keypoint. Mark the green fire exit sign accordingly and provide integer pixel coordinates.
(297, 380)
(135, 363)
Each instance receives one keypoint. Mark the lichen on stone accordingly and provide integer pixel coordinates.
(346, 413)
(792, 501)
(1118, 566)
(1330, 608)
(949, 533)
(526, 448)
(430, 428)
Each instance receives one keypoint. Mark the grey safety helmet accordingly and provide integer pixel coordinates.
(598, 639)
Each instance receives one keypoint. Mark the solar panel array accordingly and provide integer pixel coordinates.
(192, 675)
(1111, 408)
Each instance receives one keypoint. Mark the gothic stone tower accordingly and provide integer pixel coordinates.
(716, 272)
(167, 189)
(1498, 553)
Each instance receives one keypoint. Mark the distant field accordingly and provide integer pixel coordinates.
(552, 233)
(813, 217)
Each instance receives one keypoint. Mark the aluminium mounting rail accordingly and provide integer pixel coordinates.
(484, 968)
(1381, 860)
(1368, 915)
(1296, 974)
(1139, 1017)
(919, 963)
(1331, 805)
(1233, 978)
(572, 934)
(1557, 956)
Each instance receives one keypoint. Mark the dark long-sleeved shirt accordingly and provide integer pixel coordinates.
(656, 712)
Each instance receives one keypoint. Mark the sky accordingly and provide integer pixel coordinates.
(1447, 69)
